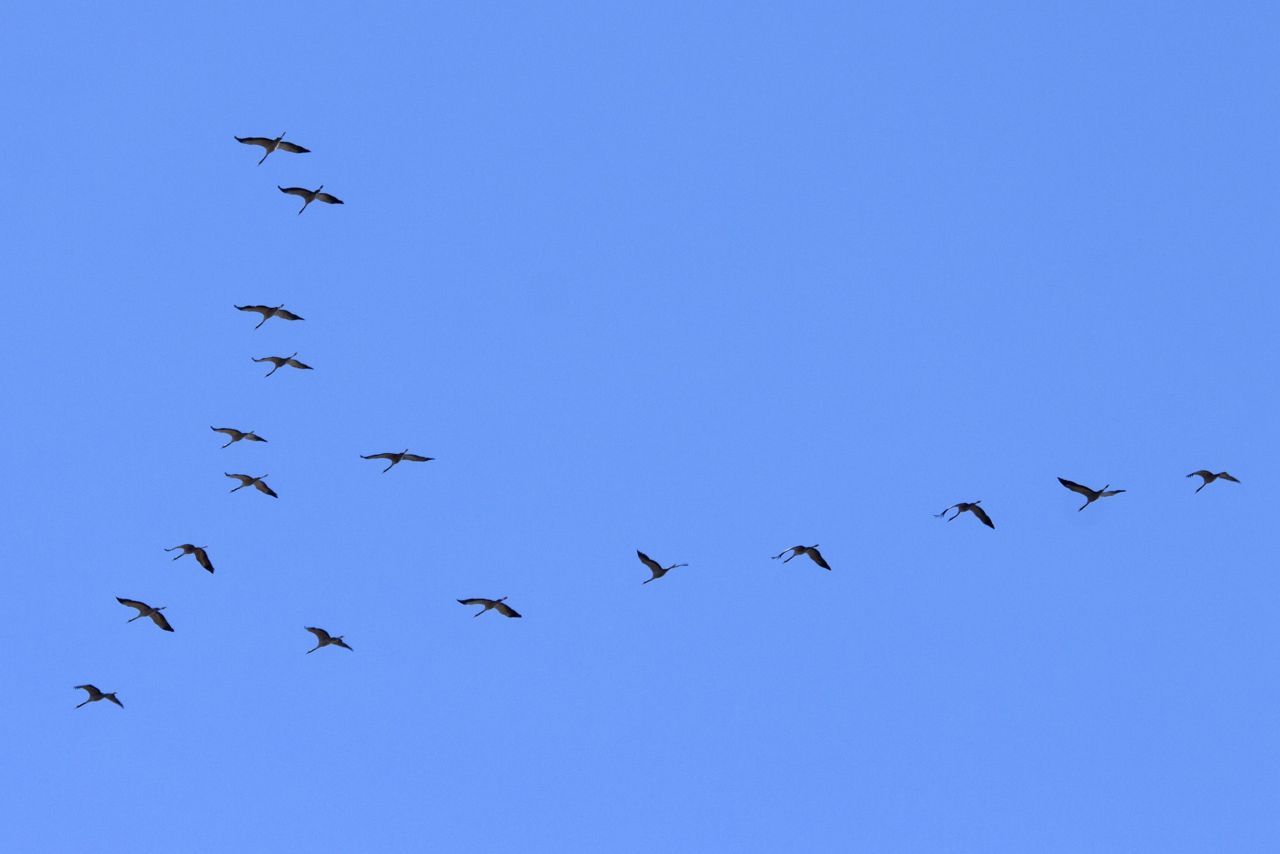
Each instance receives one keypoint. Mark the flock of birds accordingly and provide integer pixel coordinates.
(656, 569)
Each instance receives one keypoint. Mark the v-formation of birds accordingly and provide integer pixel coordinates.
(656, 569)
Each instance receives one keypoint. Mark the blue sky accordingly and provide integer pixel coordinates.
(704, 281)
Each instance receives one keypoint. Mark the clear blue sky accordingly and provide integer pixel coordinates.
(708, 281)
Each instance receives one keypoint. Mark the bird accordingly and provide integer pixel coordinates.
(145, 610)
(310, 196)
(1090, 495)
(277, 144)
(95, 695)
(1209, 477)
(202, 557)
(237, 435)
(323, 638)
(397, 458)
(270, 311)
(971, 507)
(811, 551)
(256, 482)
(656, 568)
(503, 608)
(281, 361)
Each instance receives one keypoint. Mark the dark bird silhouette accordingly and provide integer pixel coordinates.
(310, 196)
(397, 458)
(202, 557)
(277, 144)
(487, 604)
(811, 551)
(1090, 495)
(145, 610)
(257, 483)
(237, 435)
(281, 361)
(656, 568)
(1209, 477)
(95, 695)
(270, 311)
(968, 507)
(323, 638)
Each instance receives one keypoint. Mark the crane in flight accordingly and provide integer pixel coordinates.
(145, 610)
(656, 568)
(271, 145)
(811, 551)
(310, 196)
(489, 604)
(968, 507)
(202, 557)
(397, 458)
(270, 311)
(95, 695)
(1090, 495)
(1209, 477)
(258, 483)
(281, 361)
(323, 639)
(236, 435)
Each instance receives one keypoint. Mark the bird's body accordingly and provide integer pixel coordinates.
(145, 610)
(1209, 477)
(1090, 495)
(202, 557)
(270, 311)
(968, 507)
(281, 361)
(656, 568)
(309, 196)
(95, 695)
(323, 639)
(258, 483)
(237, 435)
(811, 551)
(271, 145)
(397, 458)
(488, 604)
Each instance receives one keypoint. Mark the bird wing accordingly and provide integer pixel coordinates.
(506, 610)
(255, 140)
(817, 558)
(982, 514)
(295, 191)
(378, 457)
(260, 309)
(202, 558)
(262, 487)
(296, 149)
(325, 197)
(285, 314)
(654, 566)
(134, 603)
(230, 431)
(159, 620)
(784, 551)
(92, 689)
(414, 458)
(112, 698)
(485, 602)
(1110, 492)
(1075, 487)
(254, 437)
(320, 634)
(1226, 476)
(294, 363)
(1204, 475)
(243, 478)
(340, 642)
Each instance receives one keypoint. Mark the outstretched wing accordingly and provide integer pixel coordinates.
(230, 431)
(262, 487)
(92, 689)
(325, 197)
(506, 610)
(817, 558)
(294, 363)
(1226, 476)
(243, 478)
(256, 140)
(654, 566)
(285, 314)
(378, 457)
(295, 191)
(321, 634)
(474, 602)
(296, 149)
(982, 514)
(414, 458)
(202, 558)
(134, 603)
(112, 698)
(254, 437)
(264, 310)
(1075, 487)
(159, 620)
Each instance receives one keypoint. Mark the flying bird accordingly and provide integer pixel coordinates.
(1209, 477)
(202, 557)
(656, 568)
(811, 551)
(277, 144)
(310, 196)
(257, 483)
(323, 638)
(237, 435)
(281, 361)
(397, 458)
(501, 604)
(270, 311)
(95, 695)
(145, 610)
(968, 507)
(1090, 495)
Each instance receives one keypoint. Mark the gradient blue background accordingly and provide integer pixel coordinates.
(706, 280)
